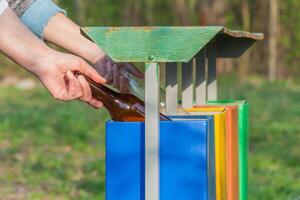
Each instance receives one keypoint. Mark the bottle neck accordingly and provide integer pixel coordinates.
(100, 92)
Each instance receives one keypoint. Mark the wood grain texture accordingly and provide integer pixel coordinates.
(159, 44)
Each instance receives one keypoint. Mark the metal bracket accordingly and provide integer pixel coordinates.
(171, 89)
(201, 95)
(211, 71)
(187, 84)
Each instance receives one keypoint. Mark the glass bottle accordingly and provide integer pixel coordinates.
(136, 87)
(121, 106)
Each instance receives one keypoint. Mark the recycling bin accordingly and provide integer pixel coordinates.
(243, 141)
(219, 115)
(232, 152)
(186, 159)
(179, 159)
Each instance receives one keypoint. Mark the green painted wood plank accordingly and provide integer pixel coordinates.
(165, 44)
(159, 44)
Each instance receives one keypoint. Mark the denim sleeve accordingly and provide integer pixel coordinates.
(3, 6)
(38, 14)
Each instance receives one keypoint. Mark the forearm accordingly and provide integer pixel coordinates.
(65, 33)
(48, 21)
(18, 43)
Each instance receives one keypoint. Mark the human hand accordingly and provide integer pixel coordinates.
(70, 38)
(115, 73)
(55, 70)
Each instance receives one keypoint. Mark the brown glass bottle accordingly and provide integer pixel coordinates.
(121, 106)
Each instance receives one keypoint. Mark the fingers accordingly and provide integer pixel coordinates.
(133, 70)
(92, 73)
(83, 91)
(95, 103)
(86, 90)
(74, 90)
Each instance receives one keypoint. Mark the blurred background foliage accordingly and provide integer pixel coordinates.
(54, 150)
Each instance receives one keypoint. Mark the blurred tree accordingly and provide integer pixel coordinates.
(244, 64)
(273, 29)
(79, 9)
(149, 10)
(290, 36)
(268, 57)
(181, 10)
(211, 12)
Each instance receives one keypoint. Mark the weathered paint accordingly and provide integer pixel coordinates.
(159, 44)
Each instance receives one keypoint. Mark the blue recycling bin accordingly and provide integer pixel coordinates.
(186, 159)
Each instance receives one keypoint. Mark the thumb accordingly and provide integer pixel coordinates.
(92, 73)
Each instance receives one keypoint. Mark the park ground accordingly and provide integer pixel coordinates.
(54, 150)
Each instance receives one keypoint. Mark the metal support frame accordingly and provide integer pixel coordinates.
(152, 131)
(211, 54)
(187, 84)
(205, 88)
(200, 89)
(171, 89)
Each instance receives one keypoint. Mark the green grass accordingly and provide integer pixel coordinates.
(48, 149)
(274, 171)
(53, 150)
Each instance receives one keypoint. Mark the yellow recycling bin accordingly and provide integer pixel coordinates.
(220, 146)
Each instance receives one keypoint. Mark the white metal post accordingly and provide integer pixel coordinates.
(152, 131)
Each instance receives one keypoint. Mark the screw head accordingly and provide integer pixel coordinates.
(151, 57)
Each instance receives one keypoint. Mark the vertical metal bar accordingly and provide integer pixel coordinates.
(152, 131)
(201, 78)
(171, 88)
(187, 84)
(211, 71)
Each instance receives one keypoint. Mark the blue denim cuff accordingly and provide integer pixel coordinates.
(38, 14)
(3, 6)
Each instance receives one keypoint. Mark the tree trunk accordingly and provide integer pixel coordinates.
(203, 9)
(149, 11)
(79, 8)
(211, 12)
(244, 63)
(273, 28)
(181, 10)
